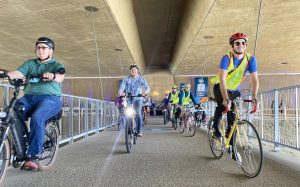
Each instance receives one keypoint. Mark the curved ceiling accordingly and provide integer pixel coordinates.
(182, 37)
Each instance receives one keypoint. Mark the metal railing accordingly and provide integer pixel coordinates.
(81, 116)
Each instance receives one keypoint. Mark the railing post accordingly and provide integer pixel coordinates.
(262, 116)
(276, 123)
(71, 120)
(102, 114)
(5, 96)
(79, 116)
(297, 118)
(97, 121)
(86, 125)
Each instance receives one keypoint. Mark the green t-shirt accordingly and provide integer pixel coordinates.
(40, 87)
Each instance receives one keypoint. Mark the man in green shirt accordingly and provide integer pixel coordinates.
(42, 97)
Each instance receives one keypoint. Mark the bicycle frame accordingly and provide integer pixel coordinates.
(243, 142)
(235, 123)
(130, 127)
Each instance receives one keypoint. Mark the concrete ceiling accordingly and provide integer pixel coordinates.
(156, 34)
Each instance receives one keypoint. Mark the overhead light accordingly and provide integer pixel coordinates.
(284, 63)
(91, 8)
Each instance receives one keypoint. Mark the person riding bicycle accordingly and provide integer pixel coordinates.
(147, 105)
(42, 98)
(232, 70)
(185, 98)
(135, 84)
(201, 112)
(173, 99)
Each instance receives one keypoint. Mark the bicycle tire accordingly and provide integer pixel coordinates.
(119, 122)
(165, 118)
(192, 126)
(4, 159)
(50, 146)
(215, 145)
(181, 126)
(129, 135)
(248, 149)
(174, 123)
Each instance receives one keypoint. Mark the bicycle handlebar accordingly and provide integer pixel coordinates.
(250, 101)
(246, 101)
(4, 74)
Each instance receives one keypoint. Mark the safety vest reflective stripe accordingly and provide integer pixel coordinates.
(186, 99)
(235, 75)
(174, 98)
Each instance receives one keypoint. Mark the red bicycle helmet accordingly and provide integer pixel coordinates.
(238, 35)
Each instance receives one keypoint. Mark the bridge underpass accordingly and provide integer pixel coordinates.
(162, 157)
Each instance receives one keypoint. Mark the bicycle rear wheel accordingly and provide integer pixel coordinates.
(248, 149)
(214, 144)
(191, 125)
(129, 136)
(181, 126)
(165, 117)
(174, 123)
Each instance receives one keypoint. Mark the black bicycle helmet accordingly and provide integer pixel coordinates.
(134, 66)
(46, 41)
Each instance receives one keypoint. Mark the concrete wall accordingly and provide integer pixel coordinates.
(123, 14)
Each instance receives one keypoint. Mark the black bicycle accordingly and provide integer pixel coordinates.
(200, 117)
(14, 137)
(130, 127)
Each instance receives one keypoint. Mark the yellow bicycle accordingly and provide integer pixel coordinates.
(245, 147)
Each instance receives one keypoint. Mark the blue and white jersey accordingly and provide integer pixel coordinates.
(135, 85)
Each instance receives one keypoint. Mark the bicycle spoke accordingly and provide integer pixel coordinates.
(215, 145)
(248, 149)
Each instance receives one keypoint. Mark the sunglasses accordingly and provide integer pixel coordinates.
(240, 43)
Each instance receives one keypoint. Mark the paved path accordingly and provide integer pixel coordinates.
(162, 157)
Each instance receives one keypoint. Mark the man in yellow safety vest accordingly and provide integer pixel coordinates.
(232, 70)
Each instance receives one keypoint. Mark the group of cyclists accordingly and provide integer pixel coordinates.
(42, 99)
(177, 99)
(232, 71)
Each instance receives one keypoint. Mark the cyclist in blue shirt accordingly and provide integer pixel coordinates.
(135, 84)
(232, 70)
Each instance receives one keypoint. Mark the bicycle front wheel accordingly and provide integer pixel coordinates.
(181, 126)
(4, 158)
(214, 144)
(191, 125)
(129, 135)
(248, 149)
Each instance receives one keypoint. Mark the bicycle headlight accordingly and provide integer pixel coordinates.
(2, 114)
(129, 112)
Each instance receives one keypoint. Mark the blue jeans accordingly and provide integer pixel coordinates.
(40, 108)
(137, 105)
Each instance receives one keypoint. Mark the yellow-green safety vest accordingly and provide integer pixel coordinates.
(174, 98)
(186, 99)
(235, 76)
